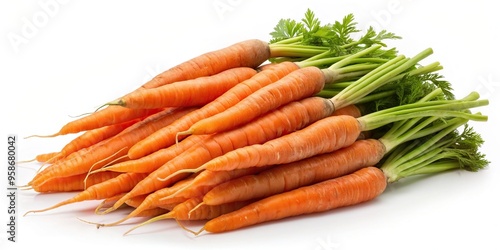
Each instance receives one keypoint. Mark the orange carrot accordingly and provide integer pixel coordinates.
(90, 138)
(182, 211)
(250, 53)
(104, 117)
(149, 201)
(167, 136)
(46, 157)
(82, 163)
(325, 135)
(360, 186)
(150, 163)
(194, 92)
(301, 83)
(120, 184)
(259, 131)
(290, 176)
(207, 180)
(73, 183)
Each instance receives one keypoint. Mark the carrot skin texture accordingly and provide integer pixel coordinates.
(167, 136)
(151, 162)
(286, 177)
(249, 53)
(360, 186)
(73, 183)
(194, 92)
(105, 117)
(299, 84)
(270, 126)
(325, 135)
(106, 189)
(83, 162)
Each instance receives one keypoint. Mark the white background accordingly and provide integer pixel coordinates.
(72, 56)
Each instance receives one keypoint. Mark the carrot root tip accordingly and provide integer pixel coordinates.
(42, 136)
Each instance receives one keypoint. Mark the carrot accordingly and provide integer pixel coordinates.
(195, 92)
(46, 157)
(297, 85)
(207, 180)
(167, 136)
(259, 131)
(360, 186)
(82, 163)
(367, 183)
(120, 184)
(104, 117)
(249, 53)
(90, 138)
(153, 161)
(335, 132)
(182, 212)
(289, 176)
(149, 201)
(73, 183)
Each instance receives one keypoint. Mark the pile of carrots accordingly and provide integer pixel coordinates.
(258, 131)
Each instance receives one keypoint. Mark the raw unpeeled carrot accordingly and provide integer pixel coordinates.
(148, 201)
(335, 132)
(46, 157)
(301, 83)
(249, 53)
(183, 210)
(360, 186)
(259, 131)
(101, 118)
(207, 180)
(323, 136)
(153, 161)
(73, 183)
(90, 138)
(109, 188)
(194, 92)
(167, 136)
(286, 177)
(82, 163)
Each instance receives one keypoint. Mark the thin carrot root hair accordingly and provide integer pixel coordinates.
(109, 165)
(181, 171)
(42, 136)
(196, 233)
(102, 206)
(169, 215)
(194, 208)
(182, 133)
(98, 162)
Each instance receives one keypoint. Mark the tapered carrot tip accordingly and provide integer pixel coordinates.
(157, 218)
(43, 136)
(196, 233)
(26, 161)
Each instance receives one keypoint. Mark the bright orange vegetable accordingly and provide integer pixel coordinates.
(86, 159)
(194, 92)
(167, 136)
(107, 189)
(360, 186)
